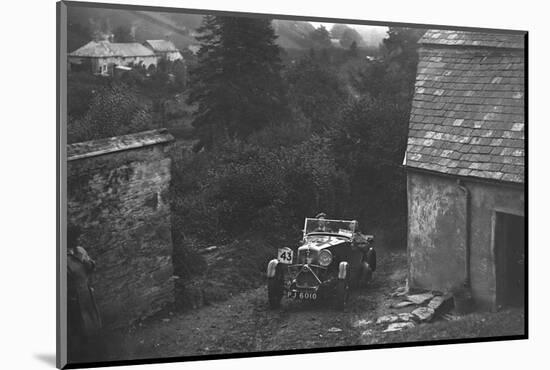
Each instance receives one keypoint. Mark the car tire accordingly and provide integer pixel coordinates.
(341, 295)
(371, 259)
(274, 292)
(366, 274)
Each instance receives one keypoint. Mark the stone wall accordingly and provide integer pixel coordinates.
(437, 226)
(118, 195)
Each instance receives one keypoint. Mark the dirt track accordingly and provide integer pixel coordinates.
(246, 324)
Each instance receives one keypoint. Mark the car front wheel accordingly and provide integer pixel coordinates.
(274, 291)
(342, 294)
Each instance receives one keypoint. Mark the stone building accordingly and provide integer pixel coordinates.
(117, 193)
(102, 57)
(164, 49)
(465, 166)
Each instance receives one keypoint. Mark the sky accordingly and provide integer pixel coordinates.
(358, 27)
(372, 35)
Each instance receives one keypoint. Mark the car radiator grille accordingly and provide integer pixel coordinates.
(302, 254)
(306, 279)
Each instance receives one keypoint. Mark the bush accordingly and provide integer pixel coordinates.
(244, 187)
(369, 146)
(316, 93)
(80, 90)
(114, 110)
(133, 77)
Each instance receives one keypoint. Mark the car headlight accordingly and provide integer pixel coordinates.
(325, 258)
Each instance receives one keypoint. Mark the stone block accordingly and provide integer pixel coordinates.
(420, 298)
(398, 326)
(424, 313)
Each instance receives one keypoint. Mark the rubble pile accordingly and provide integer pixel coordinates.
(421, 308)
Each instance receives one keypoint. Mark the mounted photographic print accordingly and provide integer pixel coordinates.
(236, 184)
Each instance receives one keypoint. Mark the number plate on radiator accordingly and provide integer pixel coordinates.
(285, 255)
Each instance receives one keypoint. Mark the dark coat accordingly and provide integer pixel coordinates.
(83, 315)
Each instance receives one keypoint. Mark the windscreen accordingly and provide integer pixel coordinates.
(340, 227)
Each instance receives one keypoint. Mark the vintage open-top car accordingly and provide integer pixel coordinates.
(333, 256)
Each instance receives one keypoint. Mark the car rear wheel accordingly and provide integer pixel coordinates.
(342, 294)
(366, 274)
(274, 291)
(371, 258)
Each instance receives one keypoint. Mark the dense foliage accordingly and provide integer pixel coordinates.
(237, 84)
(123, 34)
(350, 36)
(114, 110)
(241, 187)
(279, 135)
(321, 37)
(274, 143)
(101, 106)
(316, 93)
(340, 152)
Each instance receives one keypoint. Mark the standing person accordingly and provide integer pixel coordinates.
(83, 320)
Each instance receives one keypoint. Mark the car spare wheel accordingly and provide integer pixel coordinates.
(274, 291)
(341, 294)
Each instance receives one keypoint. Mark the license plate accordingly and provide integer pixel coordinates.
(302, 295)
(285, 255)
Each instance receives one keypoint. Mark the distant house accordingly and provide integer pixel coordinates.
(164, 49)
(102, 57)
(194, 49)
(335, 42)
(465, 166)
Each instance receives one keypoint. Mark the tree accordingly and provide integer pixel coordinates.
(337, 30)
(237, 82)
(386, 87)
(371, 140)
(123, 34)
(77, 35)
(321, 37)
(353, 52)
(180, 74)
(316, 92)
(368, 146)
(392, 77)
(350, 36)
(401, 59)
(114, 110)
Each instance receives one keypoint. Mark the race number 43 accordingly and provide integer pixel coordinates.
(285, 255)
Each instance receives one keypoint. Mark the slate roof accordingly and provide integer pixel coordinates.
(467, 115)
(102, 49)
(467, 38)
(162, 46)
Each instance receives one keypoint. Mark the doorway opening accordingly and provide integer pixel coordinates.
(510, 260)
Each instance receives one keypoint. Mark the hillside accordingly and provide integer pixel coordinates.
(293, 34)
(89, 23)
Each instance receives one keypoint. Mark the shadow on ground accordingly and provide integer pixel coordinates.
(47, 358)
